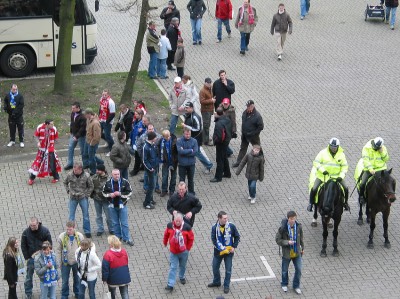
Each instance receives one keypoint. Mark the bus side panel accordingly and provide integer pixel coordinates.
(31, 29)
(91, 47)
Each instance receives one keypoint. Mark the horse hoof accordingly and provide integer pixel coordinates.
(335, 253)
(388, 245)
(360, 222)
(323, 254)
(314, 224)
(370, 245)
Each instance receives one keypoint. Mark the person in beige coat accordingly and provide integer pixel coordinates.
(180, 58)
(93, 136)
(246, 21)
(153, 48)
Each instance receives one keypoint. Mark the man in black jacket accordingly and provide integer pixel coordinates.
(252, 125)
(222, 88)
(31, 244)
(221, 138)
(185, 203)
(125, 120)
(14, 107)
(77, 129)
(168, 13)
(172, 34)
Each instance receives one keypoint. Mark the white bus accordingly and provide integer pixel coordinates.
(29, 35)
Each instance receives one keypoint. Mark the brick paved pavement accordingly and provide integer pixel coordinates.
(337, 78)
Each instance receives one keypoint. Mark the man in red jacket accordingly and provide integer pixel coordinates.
(180, 237)
(223, 13)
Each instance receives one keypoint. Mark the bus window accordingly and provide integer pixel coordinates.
(25, 8)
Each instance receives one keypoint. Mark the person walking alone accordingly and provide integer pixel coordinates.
(246, 21)
(223, 13)
(281, 24)
(14, 107)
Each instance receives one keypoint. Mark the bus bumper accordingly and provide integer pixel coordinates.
(90, 54)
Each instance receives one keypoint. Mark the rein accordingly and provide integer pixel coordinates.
(387, 195)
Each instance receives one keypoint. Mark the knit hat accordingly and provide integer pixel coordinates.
(101, 167)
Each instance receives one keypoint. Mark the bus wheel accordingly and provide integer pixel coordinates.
(17, 61)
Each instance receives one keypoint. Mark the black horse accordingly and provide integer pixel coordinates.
(330, 205)
(380, 196)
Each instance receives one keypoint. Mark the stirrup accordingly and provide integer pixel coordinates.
(309, 208)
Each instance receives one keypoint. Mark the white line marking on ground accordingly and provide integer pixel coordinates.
(267, 266)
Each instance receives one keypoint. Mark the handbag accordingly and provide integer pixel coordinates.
(106, 294)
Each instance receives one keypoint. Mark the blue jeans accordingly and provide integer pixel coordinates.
(229, 151)
(71, 146)
(227, 26)
(297, 262)
(216, 264)
(124, 173)
(303, 7)
(146, 181)
(162, 67)
(84, 204)
(122, 290)
(47, 292)
(196, 29)
(90, 159)
(101, 206)
(106, 134)
(30, 269)
(165, 172)
(199, 155)
(91, 287)
(152, 65)
(175, 260)
(252, 188)
(65, 271)
(151, 179)
(391, 11)
(189, 172)
(119, 219)
(173, 123)
(244, 41)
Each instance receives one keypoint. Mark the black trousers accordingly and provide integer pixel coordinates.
(54, 173)
(222, 161)
(245, 144)
(13, 124)
(12, 292)
(180, 71)
(170, 58)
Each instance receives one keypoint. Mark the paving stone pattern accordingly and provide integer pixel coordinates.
(338, 77)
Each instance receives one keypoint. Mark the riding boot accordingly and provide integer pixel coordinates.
(361, 198)
(310, 206)
(346, 199)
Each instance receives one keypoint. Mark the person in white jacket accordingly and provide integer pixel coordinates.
(163, 55)
(88, 265)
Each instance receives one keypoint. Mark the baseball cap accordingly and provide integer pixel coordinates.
(177, 79)
(226, 101)
(189, 104)
(208, 80)
(249, 102)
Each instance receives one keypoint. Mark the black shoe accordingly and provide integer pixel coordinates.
(163, 194)
(227, 176)
(361, 200)
(309, 207)
(201, 43)
(226, 290)
(214, 285)
(133, 172)
(194, 43)
(236, 164)
(129, 242)
(68, 167)
(99, 234)
(215, 180)
(110, 232)
(169, 289)
(88, 235)
(171, 68)
(153, 202)
(346, 207)
(242, 53)
(141, 180)
(183, 280)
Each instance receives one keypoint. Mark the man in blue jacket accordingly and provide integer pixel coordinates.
(150, 162)
(187, 148)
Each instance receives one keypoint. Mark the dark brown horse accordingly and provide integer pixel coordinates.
(330, 205)
(380, 196)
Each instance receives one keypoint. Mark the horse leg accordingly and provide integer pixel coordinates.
(368, 213)
(324, 236)
(335, 237)
(371, 232)
(314, 221)
(360, 217)
(330, 223)
(385, 218)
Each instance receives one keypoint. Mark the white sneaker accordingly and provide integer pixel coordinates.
(279, 57)
(298, 291)
(108, 154)
(218, 41)
(11, 143)
(284, 288)
(253, 200)
(249, 198)
(105, 145)
(21, 144)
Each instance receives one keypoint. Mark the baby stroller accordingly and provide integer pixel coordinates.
(375, 11)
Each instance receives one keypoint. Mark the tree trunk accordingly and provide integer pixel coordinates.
(137, 54)
(62, 80)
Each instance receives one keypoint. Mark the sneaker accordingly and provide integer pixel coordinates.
(392, 27)
(213, 285)
(229, 35)
(218, 41)
(30, 182)
(105, 145)
(53, 181)
(108, 154)
(149, 207)
(302, 18)
(169, 288)
(11, 143)
(130, 242)
(279, 57)
(298, 291)
(284, 288)
(21, 144)
(249, 198)
(183, 280)
(253, 200)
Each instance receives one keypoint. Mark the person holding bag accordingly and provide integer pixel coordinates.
(88, 265)
(13, 266)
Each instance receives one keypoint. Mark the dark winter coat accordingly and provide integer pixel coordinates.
(126, 124)
(234, 237)
(10, 269)
(252, 123)
(222, 123)
(120, 155)
(189, 203)
(196, 8)
(32, 241)
(173, 34)
(193, 121)
(255, 166)
(220, 91)
(168, 17)
(187, 149)
(392, 3)
(282, 238)
(126, 191)
(16, 112)
(150, 156)
(231, 113)
(281, 23)
(77, 127)
(174, 152)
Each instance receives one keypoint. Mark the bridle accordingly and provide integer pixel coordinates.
(388, 195)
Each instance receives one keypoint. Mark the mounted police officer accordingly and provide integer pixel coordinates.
(330, 163)
(374, 156)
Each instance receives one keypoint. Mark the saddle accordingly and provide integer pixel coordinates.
(320, 190)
